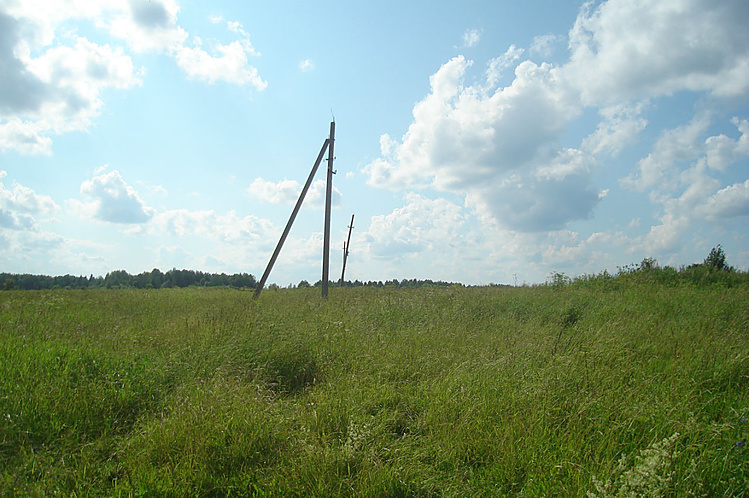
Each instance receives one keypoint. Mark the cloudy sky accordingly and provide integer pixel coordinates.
(476, 141)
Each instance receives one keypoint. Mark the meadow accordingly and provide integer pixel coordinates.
(607, 386)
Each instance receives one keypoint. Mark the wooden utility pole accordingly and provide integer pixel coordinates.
(346, 247)
(328, 194)
(286, 230)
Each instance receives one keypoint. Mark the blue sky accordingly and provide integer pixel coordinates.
(479, 142)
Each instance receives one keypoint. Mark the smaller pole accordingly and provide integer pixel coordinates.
(346, 247)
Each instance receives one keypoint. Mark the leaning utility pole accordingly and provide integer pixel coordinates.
(286, 230)
(346, 247)
(328, 194)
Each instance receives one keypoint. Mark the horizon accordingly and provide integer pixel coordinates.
(496, 143)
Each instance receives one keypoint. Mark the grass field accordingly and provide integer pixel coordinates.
(609, 387)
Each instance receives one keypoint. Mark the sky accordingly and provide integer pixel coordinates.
(481, 141)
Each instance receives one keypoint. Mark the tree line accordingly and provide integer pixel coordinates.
(120, 279)
(714, 269)
(156, 279)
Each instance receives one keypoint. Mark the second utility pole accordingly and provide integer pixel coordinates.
(328, 194)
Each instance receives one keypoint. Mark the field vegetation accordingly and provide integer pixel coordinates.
(606, 385)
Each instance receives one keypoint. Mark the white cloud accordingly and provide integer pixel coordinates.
(680, 178)
(498, 65)
(722, 151)
(151, 26)
(620, 126)
(283, 192)
(23, 242)
(506, 149)
(25, 199)
(223, 62)
(53, 79)
(422, 225)
(287, 192)
(471, 37)
(306, 65)
(624, 50)
(148, 26)
(112, 200)
(175, 257)
(677, 146)
(228, 63)
(27, 137)
(501, 150)
(544, 44)
(729, 202)
(56, 92)
(229, 228)
(19, 205)
(33, 249)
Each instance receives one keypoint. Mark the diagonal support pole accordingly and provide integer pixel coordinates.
(286, 230)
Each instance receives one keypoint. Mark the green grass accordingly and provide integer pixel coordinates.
(615, 388)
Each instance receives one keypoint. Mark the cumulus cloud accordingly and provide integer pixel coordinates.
(147, 26)
(421, 225)
(498, 148)
(623, 50)
(53, 79)
(112, 200)
(283, 192)
(722, 151)
(661, 168)
(497, 66)
(19, 205)
(501, 147)
(681, 176)
(57, 92)
(151, 26)
(620, 126)
(22, 239)
(287, 192)
(227, 63)
(229, 227)
(221, 62)
(729, 202)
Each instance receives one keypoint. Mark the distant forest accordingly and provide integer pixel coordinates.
(713, 270)
(156, 279)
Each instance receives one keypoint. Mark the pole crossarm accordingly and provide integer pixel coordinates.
(298, 205)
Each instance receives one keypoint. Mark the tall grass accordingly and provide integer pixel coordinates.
(600, 388)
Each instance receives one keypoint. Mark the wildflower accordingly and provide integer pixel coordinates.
(739, 444)
(744, 419)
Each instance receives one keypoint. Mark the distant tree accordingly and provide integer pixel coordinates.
(558, 279)
(649, 264)
(118, 279)
(303, 284)
(240, 280)
(716, 260)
